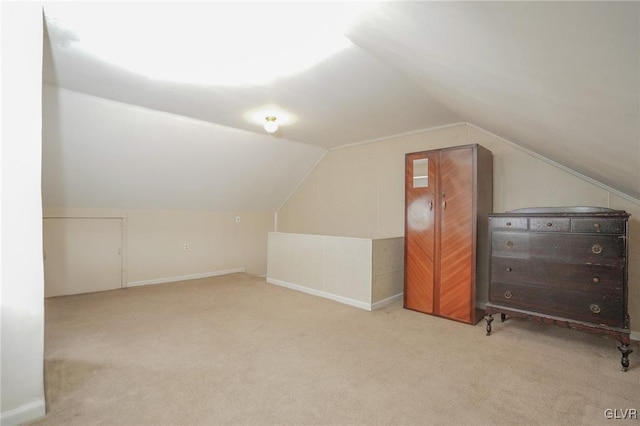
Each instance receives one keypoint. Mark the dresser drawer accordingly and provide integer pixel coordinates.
(598, 225)
(602, 279)
(552, 224)
(561, 248)
(596, 308)
(520, 223)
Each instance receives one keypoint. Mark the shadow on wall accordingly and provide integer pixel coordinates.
(53, 188)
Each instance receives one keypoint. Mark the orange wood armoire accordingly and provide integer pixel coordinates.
(448, 195)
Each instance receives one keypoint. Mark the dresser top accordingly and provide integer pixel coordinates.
(586, 211)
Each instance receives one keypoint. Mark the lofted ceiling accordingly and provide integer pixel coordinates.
(562, 79)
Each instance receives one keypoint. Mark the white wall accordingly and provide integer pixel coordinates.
(361, 272)
(22, 269)
(332, 267)
(154, 242)
(358, 191)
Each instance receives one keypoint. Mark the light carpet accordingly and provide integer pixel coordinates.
(236, 350)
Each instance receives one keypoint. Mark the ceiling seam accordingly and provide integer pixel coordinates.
(398, 135)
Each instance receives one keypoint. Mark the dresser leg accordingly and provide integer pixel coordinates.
(489, 319)
(503, 317)
(624, 349)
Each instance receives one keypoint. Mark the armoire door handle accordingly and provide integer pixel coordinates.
(430, 205)
(444, 204)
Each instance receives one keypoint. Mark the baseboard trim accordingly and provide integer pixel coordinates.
(185, 277)
(384, 302)
(320, 293)
(23, 414)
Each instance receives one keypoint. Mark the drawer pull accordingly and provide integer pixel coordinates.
(596, 249)
(508, 295)
(509, 244)
(549, 224)
(508, 223)
(596, 280)
(597, 226)
(594, 308)
(508, 269)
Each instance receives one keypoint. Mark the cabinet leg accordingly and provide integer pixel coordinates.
(489, 319)
(624, 349)
(503, 317)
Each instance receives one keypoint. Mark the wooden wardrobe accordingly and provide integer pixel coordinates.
(448, 196)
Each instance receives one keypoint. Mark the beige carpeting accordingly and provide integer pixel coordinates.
(236, 350)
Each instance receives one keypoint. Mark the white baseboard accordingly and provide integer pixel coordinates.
(26, 413)
(387, 301)
(314, 292)
(185, 277)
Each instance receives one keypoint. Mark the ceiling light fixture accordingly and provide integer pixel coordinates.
(270, 117)
(270, 125)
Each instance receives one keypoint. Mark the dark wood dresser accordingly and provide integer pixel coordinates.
(565, 266)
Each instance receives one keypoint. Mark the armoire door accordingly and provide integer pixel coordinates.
(420, 230)
(454, 290)
(448, 194)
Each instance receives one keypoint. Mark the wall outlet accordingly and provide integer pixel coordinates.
(186, 246)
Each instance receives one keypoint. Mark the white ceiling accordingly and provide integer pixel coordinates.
(559, 78)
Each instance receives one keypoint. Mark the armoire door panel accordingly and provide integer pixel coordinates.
(444, 213)
(457, 236)
(420, 213)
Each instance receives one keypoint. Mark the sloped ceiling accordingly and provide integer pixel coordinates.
(561, 79)
(99, 153)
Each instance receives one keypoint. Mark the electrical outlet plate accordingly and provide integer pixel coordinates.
(237, 219)
(186, 246)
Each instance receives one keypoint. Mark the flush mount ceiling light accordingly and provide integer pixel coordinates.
(205, 43)
(270, 125)
(270, 117)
